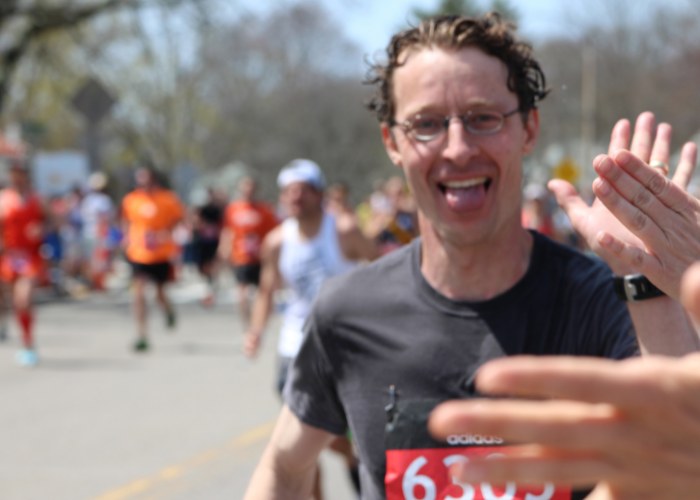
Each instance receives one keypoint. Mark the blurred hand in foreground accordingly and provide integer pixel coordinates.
(631, 427)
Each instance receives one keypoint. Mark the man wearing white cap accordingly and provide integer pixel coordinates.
(304, 250)
(308, 247)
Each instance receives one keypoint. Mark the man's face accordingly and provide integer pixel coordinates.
(246, 189)
(144, 178)
(301, 200)
(19, 178)
(437, 171)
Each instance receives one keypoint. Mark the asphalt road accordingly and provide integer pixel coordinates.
(94, 421)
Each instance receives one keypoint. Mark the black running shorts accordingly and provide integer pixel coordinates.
(159, 272)
(248, 274)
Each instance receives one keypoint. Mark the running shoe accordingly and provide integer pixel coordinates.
(141, 345)
(170, 319)
(26, 358)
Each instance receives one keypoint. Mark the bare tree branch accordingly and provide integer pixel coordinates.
(41, 20)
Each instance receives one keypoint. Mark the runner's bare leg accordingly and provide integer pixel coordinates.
(22, 299)
(166, 305)
(243, 304)
(162, 298)
(139, 288)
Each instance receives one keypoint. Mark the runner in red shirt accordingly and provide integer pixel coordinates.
(22, 220)
(246, 222)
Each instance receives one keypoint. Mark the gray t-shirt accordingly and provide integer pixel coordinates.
(383, 324)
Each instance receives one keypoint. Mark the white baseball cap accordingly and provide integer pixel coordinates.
(97, 181)
(301, 170)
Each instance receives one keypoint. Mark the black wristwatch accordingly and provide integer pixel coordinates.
(635, 288)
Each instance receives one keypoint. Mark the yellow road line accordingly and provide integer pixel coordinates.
(173, 472)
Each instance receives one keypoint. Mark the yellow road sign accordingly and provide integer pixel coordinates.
(567, 169)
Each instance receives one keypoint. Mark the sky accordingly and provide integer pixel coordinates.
(371, 23)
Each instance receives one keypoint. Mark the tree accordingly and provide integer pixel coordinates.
(22, 23)
(139, 54)
(648, 64)
(288, 86)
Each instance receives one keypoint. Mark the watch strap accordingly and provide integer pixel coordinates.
(635, 288)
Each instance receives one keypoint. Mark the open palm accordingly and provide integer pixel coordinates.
(589, 221)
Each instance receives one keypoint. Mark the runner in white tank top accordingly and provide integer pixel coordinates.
(307, 248)
(304, 265)
(304, 250)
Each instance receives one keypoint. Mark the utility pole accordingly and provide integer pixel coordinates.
(94, 102)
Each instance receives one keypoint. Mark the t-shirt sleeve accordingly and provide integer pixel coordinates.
(610, 319)
(311, 391)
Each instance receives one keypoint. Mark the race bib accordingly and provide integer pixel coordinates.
(19, 261)
(251, 245)
(209, 232)
(417, 466)
(154, 240)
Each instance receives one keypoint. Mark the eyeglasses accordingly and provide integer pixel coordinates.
(428, 126)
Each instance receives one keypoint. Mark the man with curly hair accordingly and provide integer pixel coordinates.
(456, 100)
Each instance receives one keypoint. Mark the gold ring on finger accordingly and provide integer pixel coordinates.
(662, 166)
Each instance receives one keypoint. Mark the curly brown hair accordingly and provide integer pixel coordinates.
(489, 33)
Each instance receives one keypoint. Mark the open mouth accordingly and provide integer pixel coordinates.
(467, 184)
(465, 195)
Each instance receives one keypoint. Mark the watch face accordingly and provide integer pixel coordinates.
(620, 289)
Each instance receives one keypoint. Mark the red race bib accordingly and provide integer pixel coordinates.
(417, 466)
(423, 474)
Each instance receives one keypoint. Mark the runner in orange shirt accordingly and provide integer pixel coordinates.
(150, 213)
(246, 222)
(22, 219)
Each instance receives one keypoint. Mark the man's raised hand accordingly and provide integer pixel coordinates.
(590, 221)
(657, 210)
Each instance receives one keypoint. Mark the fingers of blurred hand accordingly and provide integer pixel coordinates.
(670, 194)
(684, 171)
(630, 384)
(568, 425)
(643, 136)
(663, 390)
(525, 468)
(690, 290)
(620, 137)
(568, 199)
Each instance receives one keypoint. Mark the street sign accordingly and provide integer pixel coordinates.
(567, 169)
(93, 101)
